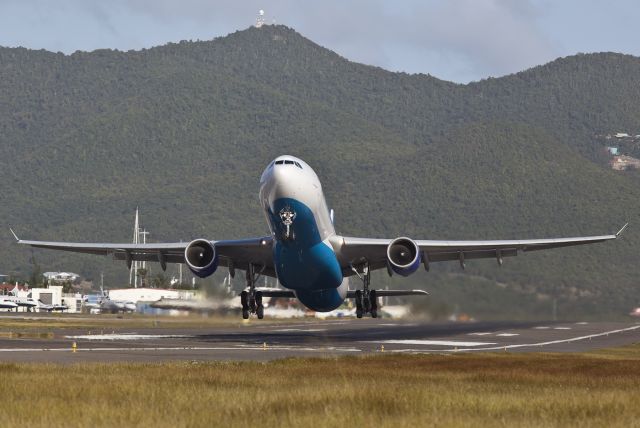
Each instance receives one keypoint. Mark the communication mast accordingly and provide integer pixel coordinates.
(133, 277)
(136, 265)
(260, 19)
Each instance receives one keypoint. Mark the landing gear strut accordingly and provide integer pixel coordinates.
(366, 300)
(251, 299)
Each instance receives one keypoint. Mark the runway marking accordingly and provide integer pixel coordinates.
(562, 328)
(482, 333)
(508, 334)
(128, 336)
(582, 323)
(187, 348)
(432, 342)
(523, 345)
(542, 327)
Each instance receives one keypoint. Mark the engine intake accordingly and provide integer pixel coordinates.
(201, 257)
(403, 255)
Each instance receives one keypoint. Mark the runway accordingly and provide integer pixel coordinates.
(267, 340)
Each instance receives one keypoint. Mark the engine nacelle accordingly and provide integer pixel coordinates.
(201, 257)
(403, 255)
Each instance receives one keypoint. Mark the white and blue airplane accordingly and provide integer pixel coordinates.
(304, 252)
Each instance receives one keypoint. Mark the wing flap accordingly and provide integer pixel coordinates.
(351, 294)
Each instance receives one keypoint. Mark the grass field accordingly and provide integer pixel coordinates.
(595, 389)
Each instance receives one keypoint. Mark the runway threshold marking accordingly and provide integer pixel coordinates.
(523, 345)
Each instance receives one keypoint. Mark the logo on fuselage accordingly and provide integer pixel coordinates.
(287, 216)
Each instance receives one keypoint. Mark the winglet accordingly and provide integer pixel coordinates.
(622, 229)
(14, 235)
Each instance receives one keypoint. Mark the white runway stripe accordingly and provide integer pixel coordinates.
(434, 342)
(128, 336)
(185, 348)
(524, 345)
(508, 334)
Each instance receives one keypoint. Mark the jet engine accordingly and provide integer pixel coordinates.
(403, 256)
(201, 257)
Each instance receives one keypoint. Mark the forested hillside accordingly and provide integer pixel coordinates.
(184, 130)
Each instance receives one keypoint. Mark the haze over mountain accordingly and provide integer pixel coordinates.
(184, 131)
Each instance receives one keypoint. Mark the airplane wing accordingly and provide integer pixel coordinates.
(237, 253)
(354, 251)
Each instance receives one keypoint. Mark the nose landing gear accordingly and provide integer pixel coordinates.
(366, 300)
(251, 299)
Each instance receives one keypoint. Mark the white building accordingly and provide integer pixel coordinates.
(73, 301)
(51, 295)
(136, 295)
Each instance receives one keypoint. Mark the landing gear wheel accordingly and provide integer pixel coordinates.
(244, 300)
(259, 305)
(373, 303)
(359, 308)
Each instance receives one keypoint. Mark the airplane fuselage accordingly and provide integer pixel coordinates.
(301, 225)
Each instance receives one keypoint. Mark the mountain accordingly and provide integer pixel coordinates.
(184, 131)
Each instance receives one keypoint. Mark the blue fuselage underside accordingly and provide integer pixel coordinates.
(304, 263)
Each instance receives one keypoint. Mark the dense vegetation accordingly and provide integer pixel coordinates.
(184, 131)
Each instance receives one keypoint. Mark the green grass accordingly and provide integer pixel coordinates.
(594, 389)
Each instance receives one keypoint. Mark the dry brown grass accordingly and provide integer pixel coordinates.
(386, 390)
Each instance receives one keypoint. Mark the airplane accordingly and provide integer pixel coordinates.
(304, 252)
(102, 303)
(115, 306)
(51, 308)
(26, 302)
(8, 304)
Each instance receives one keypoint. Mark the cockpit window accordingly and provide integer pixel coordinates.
(288, 162)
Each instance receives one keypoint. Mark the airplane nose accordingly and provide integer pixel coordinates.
(284, 181)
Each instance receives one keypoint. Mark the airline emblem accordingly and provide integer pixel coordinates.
(287, 215)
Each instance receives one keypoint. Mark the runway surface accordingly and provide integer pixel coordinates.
(267, 340)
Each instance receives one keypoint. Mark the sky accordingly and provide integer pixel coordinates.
(455, 40)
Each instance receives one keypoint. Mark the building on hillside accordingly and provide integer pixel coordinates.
(613, 151)
(622, 163)
(58, 277)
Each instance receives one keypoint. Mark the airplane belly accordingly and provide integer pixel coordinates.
(307, 268)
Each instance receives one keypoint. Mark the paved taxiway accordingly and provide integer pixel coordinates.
(265, 340)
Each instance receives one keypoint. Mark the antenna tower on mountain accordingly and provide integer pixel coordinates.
(260, 19)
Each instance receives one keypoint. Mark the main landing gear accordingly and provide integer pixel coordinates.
(251, 299)
(366, 300)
